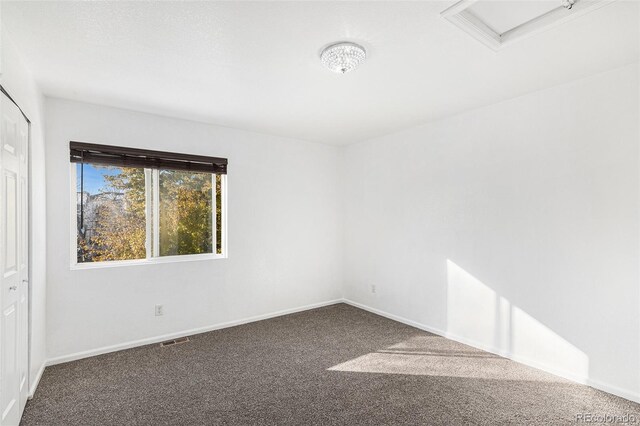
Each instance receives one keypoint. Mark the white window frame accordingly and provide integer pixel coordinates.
(152, 230)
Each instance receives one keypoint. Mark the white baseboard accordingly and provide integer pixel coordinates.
(33, 385)
(614, 390)
(623, 393)
(398, 318)
(190, 332)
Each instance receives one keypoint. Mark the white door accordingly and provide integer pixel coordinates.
(14, 255)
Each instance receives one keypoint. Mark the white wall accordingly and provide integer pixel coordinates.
(283, 234)
(514, 227)
(17, 81)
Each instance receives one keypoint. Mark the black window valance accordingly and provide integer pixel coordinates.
(108, 155)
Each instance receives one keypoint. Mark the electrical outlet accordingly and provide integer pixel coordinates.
(373, 288)
(159, 310)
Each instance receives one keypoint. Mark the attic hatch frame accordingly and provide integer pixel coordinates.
(465, 19)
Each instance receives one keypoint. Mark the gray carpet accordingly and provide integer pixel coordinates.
(330, 366)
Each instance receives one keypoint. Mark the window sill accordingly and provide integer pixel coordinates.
(152, 261)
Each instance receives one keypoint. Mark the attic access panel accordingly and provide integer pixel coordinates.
(498, 23)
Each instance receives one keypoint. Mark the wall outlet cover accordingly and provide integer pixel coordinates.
(159, 310)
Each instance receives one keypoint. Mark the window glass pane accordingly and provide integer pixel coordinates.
(185, 212)
(110, 213)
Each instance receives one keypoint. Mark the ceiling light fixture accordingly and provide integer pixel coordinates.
(343, 57)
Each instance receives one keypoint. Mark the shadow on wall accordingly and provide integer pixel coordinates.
(477, 315)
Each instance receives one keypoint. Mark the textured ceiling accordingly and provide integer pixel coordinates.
(255, 66)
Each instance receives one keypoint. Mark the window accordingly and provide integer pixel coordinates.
(146, 205)
(186, 213)
(111, 213)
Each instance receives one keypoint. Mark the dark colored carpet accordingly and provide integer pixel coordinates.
(336, 365)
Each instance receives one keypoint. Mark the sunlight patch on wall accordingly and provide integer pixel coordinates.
(474, 309)
(534, 341)
(478, 315)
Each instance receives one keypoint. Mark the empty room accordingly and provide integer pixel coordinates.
(319, 212)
